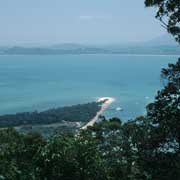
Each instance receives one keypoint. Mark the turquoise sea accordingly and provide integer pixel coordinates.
(29, 83)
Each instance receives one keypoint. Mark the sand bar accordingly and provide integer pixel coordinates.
(104, 106)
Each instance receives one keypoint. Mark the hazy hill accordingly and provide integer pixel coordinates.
(165, 39)
(162, 45)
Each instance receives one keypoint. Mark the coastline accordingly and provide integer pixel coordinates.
(104, 106)
(120, 54)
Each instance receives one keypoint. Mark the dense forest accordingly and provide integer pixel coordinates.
(145, 148)
(75, 113)
(111, 150)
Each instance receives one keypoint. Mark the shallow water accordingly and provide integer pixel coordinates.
(29, 83)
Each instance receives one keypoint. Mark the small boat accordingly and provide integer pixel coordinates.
(119, 109)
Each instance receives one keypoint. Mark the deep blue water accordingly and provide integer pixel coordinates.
(29, 83)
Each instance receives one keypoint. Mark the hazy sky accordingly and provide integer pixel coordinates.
(78, 21)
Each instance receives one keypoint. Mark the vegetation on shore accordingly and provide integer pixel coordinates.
(146, 148)
(75, 113)
(64, 120)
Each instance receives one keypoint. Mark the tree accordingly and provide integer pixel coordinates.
(164, 112)
(9, 140)
(70, 157)
(17, 153)
(114, 142)
(169, 14)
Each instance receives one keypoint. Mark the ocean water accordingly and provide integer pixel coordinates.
(29, 83)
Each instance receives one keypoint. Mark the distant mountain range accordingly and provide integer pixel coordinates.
(162, 45)
(165, 39)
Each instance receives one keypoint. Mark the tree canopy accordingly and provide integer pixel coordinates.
(146, 148)
(168, 12)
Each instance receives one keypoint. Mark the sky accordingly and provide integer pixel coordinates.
(76, 21)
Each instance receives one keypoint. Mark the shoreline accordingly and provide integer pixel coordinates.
(104, 106)
(121, 54)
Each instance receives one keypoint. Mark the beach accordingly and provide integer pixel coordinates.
(107, 101)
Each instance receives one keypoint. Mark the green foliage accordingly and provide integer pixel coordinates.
(164, 115)
(17, 154)
(169, 14)
(110, 150)
(147, 148)
(114, 142)
(165, 111)
(76, 113)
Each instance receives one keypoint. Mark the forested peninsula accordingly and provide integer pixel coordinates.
(65, 119)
